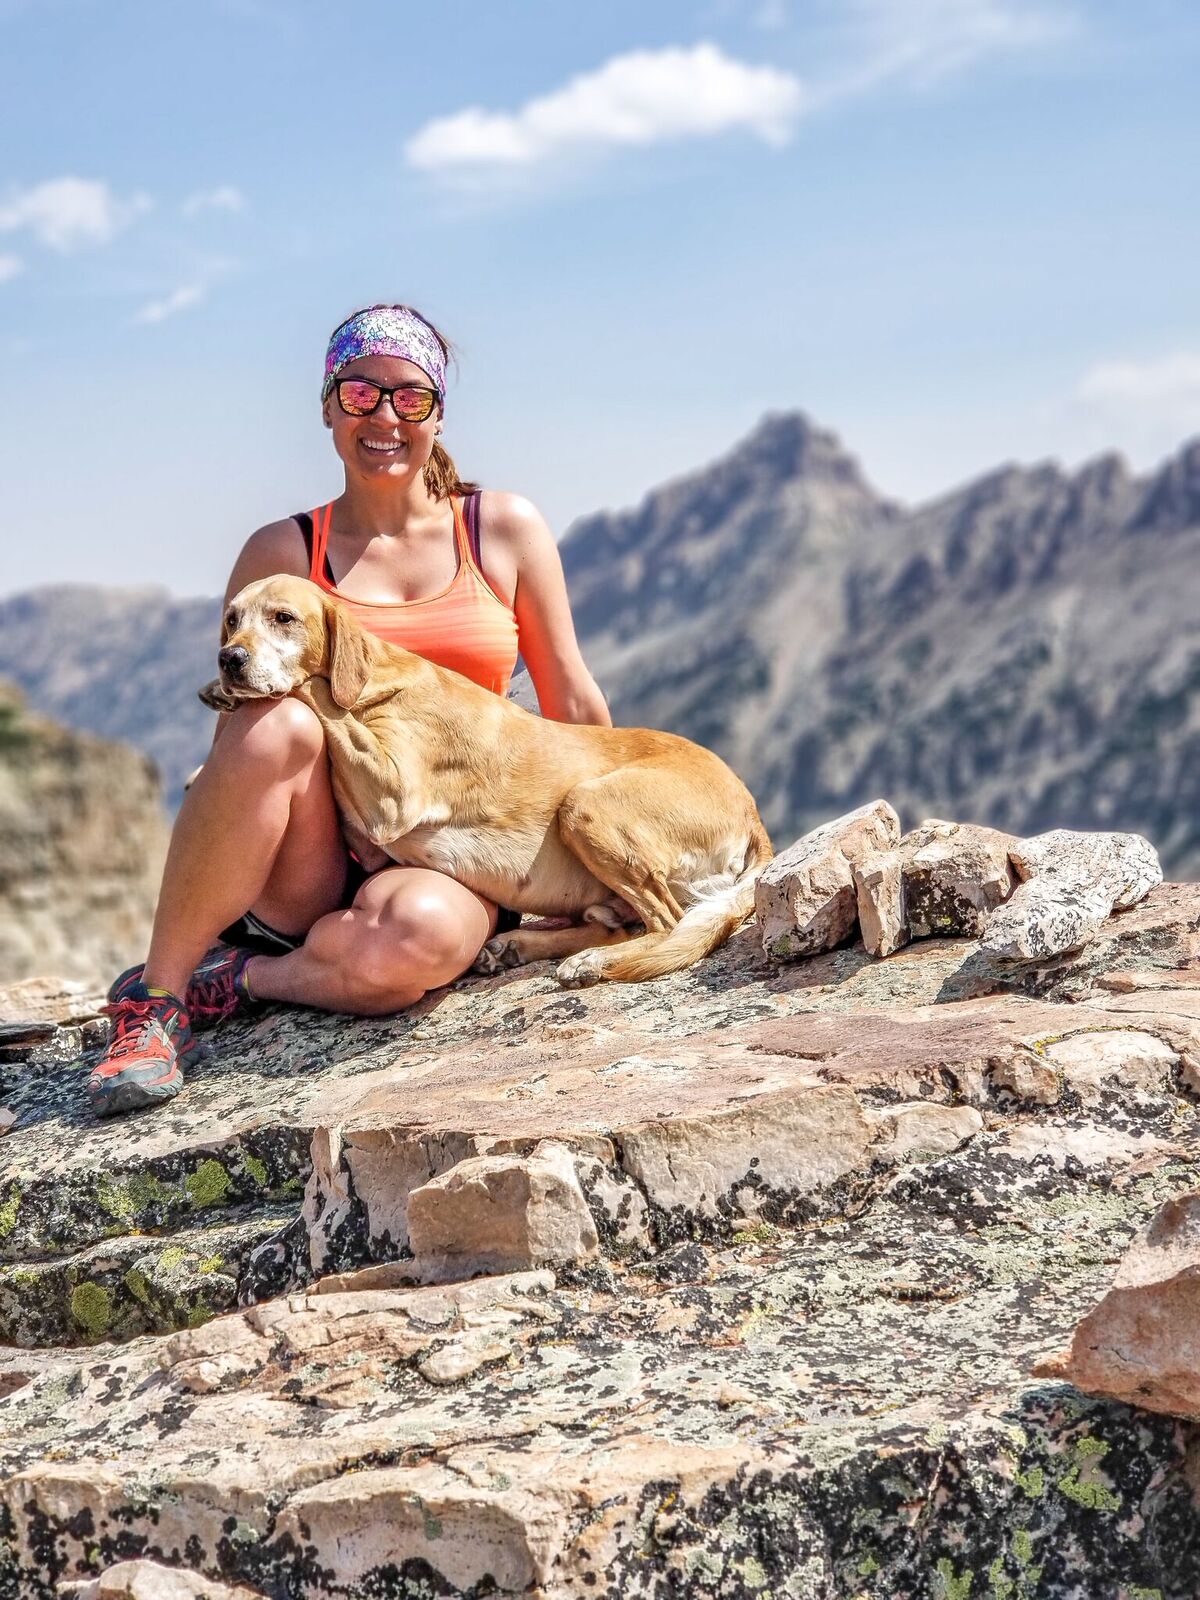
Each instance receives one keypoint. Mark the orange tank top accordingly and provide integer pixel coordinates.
(467, 627)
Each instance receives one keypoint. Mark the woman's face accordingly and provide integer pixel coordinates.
(382, 445)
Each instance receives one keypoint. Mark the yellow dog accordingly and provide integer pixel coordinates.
(604, 825)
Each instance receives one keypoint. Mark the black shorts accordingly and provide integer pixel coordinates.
(252, 933)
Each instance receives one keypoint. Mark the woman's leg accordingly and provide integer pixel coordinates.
(257, 830)
(409, 930)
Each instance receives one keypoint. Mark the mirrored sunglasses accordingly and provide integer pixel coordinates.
(358, 397)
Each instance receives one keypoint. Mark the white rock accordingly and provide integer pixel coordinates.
(1072, 884)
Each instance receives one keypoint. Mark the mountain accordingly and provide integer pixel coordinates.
(83, 836)
(1022, 651)
(121, 663)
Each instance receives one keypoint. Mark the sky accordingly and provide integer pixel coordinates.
(957, 232)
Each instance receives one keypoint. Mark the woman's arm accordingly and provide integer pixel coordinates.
(520, 552)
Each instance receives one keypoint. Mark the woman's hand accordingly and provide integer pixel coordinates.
(522, 561)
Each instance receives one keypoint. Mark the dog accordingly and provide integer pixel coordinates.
(647, 842)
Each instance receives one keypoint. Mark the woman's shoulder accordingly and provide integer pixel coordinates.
(275, 547)
(512, 517)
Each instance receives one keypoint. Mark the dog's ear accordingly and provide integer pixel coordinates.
(349, 656)
(215, 698)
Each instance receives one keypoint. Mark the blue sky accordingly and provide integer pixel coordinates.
(956, 231)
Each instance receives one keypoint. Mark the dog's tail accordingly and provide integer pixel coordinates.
(702, 929)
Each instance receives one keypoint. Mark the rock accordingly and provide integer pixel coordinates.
(955, 875)
(918, 1130)
(944, 878)
(1091, 1062)
(806, 899)
(1141, 1344)
(1072, 882)
(148, 1580)
(879, 894)
(501, 1214)
(8, 1120)
(781, 1320)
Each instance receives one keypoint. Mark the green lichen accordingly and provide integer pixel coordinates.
(1002, 1588)
(127, 1200)
(256, 1168)
(21, 1278)
(138, 1285)
(1032, 1484)
(171, 1258)
(199, 1314)
(952, 1586)
(433, 1525)
(208, 1185)
(1022, 1546)
(757, 1233)
(1136, 1592)
(91, 1307)
(868, 1566)
(8, 1211)
(1091, 1495)
(754, 1574)
(210, 1264)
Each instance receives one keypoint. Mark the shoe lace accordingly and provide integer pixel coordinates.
(133, 1020)
(212, 989)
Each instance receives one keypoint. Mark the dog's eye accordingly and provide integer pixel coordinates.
(231, 619)
(283, 618)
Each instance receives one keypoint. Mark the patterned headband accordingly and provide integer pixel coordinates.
(386, 331)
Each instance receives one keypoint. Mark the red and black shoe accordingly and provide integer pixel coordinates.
(216, 990)
(140, 1064)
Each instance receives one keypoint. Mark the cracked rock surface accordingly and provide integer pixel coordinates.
(810, 1231)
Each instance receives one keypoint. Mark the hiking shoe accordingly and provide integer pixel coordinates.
(140, 1063)
(215, 990)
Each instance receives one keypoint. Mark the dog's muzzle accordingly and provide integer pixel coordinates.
(233, 660)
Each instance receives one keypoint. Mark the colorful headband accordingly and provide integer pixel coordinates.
(386, 331)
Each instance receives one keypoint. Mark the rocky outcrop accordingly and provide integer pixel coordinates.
(82, 840)
(781, 1246)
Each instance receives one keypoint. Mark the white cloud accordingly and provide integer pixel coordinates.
(1145, 406)
(10, 266)
(66, 213)
(180, 299)
(642, 98)
(223, 198)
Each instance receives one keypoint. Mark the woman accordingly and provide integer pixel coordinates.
(257, 858)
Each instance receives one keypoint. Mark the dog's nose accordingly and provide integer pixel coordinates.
(233, 659)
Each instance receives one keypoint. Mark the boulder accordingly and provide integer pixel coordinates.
(501, 1213)
(806, 899)
(944, 878)
(1141, 1344)
(955, 875)
(1071, 883)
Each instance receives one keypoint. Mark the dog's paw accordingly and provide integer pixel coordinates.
(497, 955)
(582, 970)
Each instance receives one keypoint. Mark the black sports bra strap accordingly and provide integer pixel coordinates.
(303, 520)
(471, 518)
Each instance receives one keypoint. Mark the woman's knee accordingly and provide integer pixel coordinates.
(409, 939)
(282, 734)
